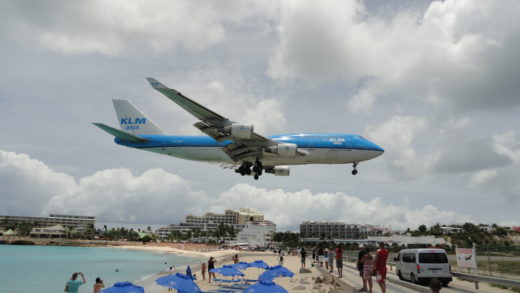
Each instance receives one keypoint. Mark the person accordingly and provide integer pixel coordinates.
(73, 284)
(211, 265)
(326, 258)
(235, 258)
(359, 266)
(280, 260)
(98, 285)
(435, 285)
(203, 271)
(303, 255)
(380, 266)
(320, 256)
(331, 260)
(339, 260)
(368, 268)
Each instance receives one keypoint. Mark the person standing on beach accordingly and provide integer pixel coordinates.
(368, 268)
(380, 266)
(326, 258)
(303, 255)
(331, 260)
(320, 256)
(359, 266)
(73, 284)
(339, 259)
(211, 265)
(98, 285)
(203, 271)
(235, 258)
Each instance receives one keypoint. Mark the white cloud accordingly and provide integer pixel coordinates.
(122, 27)
(481, 177)
(397, 136)
(156, 196)
(457, 53)
(508, 144)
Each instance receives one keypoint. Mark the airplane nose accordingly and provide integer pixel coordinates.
(378, 149)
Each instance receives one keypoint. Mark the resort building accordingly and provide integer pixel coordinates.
(209, 222)
(78, 224)
(332, 230)
(49, 232)
(257, 234)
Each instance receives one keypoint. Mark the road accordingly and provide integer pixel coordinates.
(394, 285)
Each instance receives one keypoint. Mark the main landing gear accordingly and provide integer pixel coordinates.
(248, 168)
(354, 172)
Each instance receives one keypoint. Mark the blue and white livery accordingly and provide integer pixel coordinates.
(235, 144)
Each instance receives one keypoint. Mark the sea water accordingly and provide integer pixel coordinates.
(46, 269)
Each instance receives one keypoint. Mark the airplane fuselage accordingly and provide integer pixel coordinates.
(319, 148)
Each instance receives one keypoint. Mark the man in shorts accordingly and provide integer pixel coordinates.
(339, 260)
(380, 266)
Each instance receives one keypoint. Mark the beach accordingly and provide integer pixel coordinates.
(301, 282)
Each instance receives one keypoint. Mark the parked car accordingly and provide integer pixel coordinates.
(421, 265)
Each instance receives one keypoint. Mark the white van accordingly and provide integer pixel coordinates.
(422, 265)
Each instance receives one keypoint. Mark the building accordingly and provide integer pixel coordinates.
(257, 233)
(209, 222)
(407, 239)
(56, 231)
(78, 224)
(332, 230)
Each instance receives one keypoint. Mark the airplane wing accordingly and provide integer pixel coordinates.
(246, 143)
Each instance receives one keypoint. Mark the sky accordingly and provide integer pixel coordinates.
(436, 84)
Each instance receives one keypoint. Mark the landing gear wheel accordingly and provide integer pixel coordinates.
(354, 165)
(256, 177)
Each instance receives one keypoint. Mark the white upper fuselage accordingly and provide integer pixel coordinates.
(319, 148)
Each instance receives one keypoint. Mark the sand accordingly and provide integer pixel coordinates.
(301, 282)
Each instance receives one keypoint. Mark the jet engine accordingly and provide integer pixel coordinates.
(241, 131)
(285, 149)
(281, 171)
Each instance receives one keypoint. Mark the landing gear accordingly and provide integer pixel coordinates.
(248, 168)
(354, 172)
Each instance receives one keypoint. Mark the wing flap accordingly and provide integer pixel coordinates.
(121, 134)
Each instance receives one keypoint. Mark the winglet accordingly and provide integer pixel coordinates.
(155, 83)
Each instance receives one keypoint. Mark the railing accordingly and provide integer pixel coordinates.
(468, 277)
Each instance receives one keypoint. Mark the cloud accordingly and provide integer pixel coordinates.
(156, 196)
(397, 136)
(454, 53)
(121, 27)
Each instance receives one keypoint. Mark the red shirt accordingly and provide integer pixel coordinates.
(339, 253)
(381, 257)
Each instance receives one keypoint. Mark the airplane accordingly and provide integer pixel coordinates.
(233, 144)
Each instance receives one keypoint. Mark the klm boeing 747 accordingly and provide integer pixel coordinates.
(235, 144)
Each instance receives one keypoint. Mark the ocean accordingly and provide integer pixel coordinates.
(46, 269)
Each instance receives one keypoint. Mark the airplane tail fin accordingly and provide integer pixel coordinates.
(132, 120)
(121, 134)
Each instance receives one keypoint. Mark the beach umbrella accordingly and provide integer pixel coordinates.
(182, 283)
(258, 264)
(242, 265)
(275, 272)
(227, 270)
(265, 287)
(123, 287)
(188, 272)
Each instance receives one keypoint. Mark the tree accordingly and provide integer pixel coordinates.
(422, 229)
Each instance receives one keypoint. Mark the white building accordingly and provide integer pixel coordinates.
(407, 239)
(257, 233)
(50, 232)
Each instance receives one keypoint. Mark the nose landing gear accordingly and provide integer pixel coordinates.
(354, 172)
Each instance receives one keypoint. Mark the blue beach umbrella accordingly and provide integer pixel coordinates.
(265, 287)
(241, 265)
(123, 287)
(188, 272)
(182, 283)
(227, 270)
(258, 264)
(275, 272)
